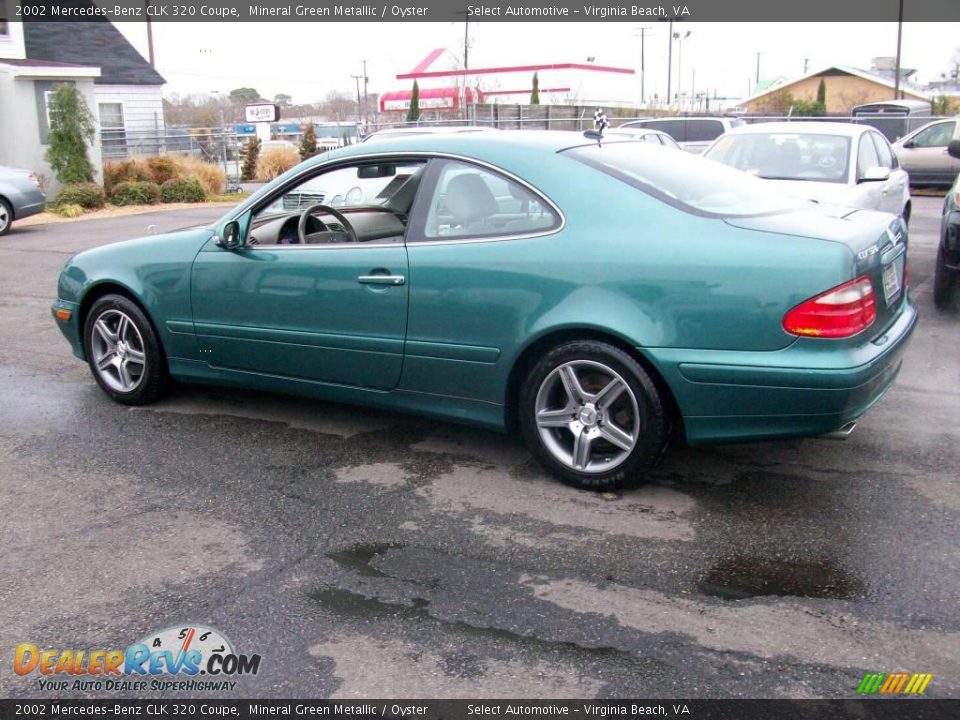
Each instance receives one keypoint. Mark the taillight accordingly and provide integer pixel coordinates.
(36, 181)
(838, 313)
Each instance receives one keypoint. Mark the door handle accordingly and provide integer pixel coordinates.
(381, 280)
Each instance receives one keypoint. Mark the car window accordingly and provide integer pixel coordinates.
(703, 130)
(884, 152)
(866, 155)
(786, 155)
(938, 135)
(684, 180)
(473, 202)
(652, 138)
(374, 198)
(673, 127)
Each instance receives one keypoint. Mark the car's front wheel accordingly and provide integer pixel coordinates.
(6, 217)
(593, 416)
(944, 281)
(123, 351)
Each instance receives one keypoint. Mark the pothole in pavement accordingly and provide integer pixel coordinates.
(738, 578)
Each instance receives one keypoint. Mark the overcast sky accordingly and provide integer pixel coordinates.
(306, 60)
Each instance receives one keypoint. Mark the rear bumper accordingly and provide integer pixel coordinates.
(810, 388)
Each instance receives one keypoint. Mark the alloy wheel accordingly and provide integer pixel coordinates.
(118, 351)
(4, 218)
(587, 416)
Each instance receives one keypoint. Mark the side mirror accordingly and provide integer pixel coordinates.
(909, 144)
(875, 174)
(230, 236)
(953, 149)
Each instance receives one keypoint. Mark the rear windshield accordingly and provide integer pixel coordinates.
(813, 157)
(689, 182)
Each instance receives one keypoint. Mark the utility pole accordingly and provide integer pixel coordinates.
(896, 79)
(806, 65)
(643, 29)
(669, 63)
(146, 5)
(357, 78)
(758, 71)
(366, 117)
(680, 40)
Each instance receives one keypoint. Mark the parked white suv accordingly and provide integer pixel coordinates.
(693, 134)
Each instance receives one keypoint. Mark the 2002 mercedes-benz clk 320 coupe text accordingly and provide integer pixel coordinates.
(599, 297)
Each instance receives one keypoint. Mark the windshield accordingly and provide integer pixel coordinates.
(685, 180)
(786, 156)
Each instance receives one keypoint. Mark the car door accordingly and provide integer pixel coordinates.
(476, 239)
(924, 156)
(894, 191)
(332, 309)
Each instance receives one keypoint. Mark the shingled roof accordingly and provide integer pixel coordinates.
(97, 43)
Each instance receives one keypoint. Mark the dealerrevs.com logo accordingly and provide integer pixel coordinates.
(172, 659)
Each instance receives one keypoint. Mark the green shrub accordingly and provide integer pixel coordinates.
(135, 193)
(68, 210)
(251, 153)
(182, 190)
(86, 195)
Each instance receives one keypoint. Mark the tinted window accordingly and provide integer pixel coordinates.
(472, 202)
(786, 156)
(866, 156)
(673, 128)
(684, 180)
(703, 130)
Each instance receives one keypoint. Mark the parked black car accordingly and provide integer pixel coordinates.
(947, 274)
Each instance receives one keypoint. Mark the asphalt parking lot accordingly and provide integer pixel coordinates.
(366, 554)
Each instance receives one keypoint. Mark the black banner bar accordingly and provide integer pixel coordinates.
(873, 709)
(859, 11)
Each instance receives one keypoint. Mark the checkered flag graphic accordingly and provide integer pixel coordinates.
(600, 121)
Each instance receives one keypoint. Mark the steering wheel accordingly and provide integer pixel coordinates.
(308, 211)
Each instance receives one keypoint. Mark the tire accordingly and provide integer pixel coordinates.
(618, 402)
(6, 217)
(944, 281)
(123, 352)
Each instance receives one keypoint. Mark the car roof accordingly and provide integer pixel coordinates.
(468, 143)
(803, 127)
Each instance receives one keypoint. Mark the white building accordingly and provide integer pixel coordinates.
(122, 90)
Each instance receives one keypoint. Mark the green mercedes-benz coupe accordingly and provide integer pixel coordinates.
(599, 297)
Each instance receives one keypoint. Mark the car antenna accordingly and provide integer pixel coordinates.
(600, 123)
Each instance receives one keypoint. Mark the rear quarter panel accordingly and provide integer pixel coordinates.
(625, 263)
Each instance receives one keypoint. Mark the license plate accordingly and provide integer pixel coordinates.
(891, 280)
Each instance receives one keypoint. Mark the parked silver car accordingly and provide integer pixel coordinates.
(20, 196)
(835, 163)
(923, 153)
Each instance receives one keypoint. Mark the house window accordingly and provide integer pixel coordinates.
(113, 134)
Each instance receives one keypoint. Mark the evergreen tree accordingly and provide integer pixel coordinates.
(535, 94)
(71, 128)
(822, 96)
(413, 114)
(308, 143)
(250, 155)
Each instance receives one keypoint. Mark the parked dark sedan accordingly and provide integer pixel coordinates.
(20, 196)
(947, 274)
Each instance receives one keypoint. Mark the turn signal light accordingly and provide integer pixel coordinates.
(61, 314)
(841, 312)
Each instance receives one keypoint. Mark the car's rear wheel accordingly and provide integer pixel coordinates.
(944, 281)
(123, 351)
(6, 217)
(593, 416)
